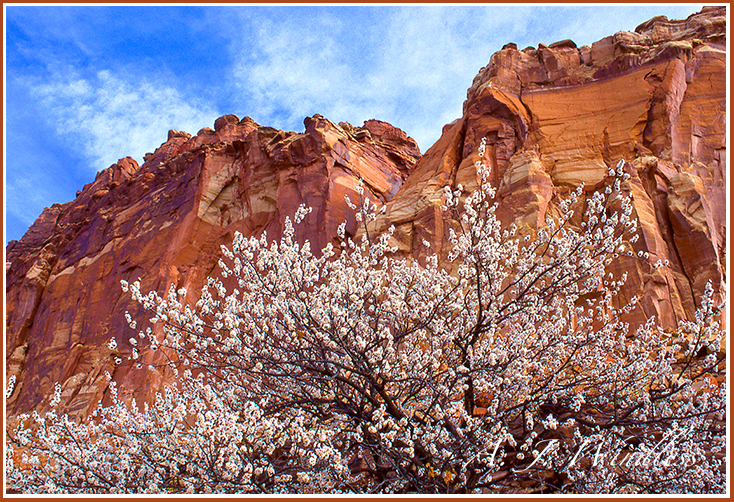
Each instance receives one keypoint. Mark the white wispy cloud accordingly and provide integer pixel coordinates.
(29, 189)
(298, 70)
(408, 66)
(391, 70)
(110, 117)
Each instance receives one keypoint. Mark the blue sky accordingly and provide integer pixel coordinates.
(85, 86)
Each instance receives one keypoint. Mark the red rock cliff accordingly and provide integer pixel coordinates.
(553, 116)
(558, 115)
(164, 222)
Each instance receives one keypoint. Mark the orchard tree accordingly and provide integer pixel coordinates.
(503, 369)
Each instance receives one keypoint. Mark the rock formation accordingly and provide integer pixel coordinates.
(559, 115)
(553, 117)
(164, 222)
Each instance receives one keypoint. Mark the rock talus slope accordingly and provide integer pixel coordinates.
(552, 116)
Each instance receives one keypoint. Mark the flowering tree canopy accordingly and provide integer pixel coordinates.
(503, 369)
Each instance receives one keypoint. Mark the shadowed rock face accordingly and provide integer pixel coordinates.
(553, 117)
(559, 115)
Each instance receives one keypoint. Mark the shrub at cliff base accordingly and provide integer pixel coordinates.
(354, 370)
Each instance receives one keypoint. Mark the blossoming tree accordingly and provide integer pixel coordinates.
(505, 369)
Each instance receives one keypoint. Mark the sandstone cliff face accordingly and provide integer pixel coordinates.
(164, 222)
(559, 115)
(553, 117)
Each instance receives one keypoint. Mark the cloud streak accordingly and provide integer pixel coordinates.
(391, 70)
(110, 117)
